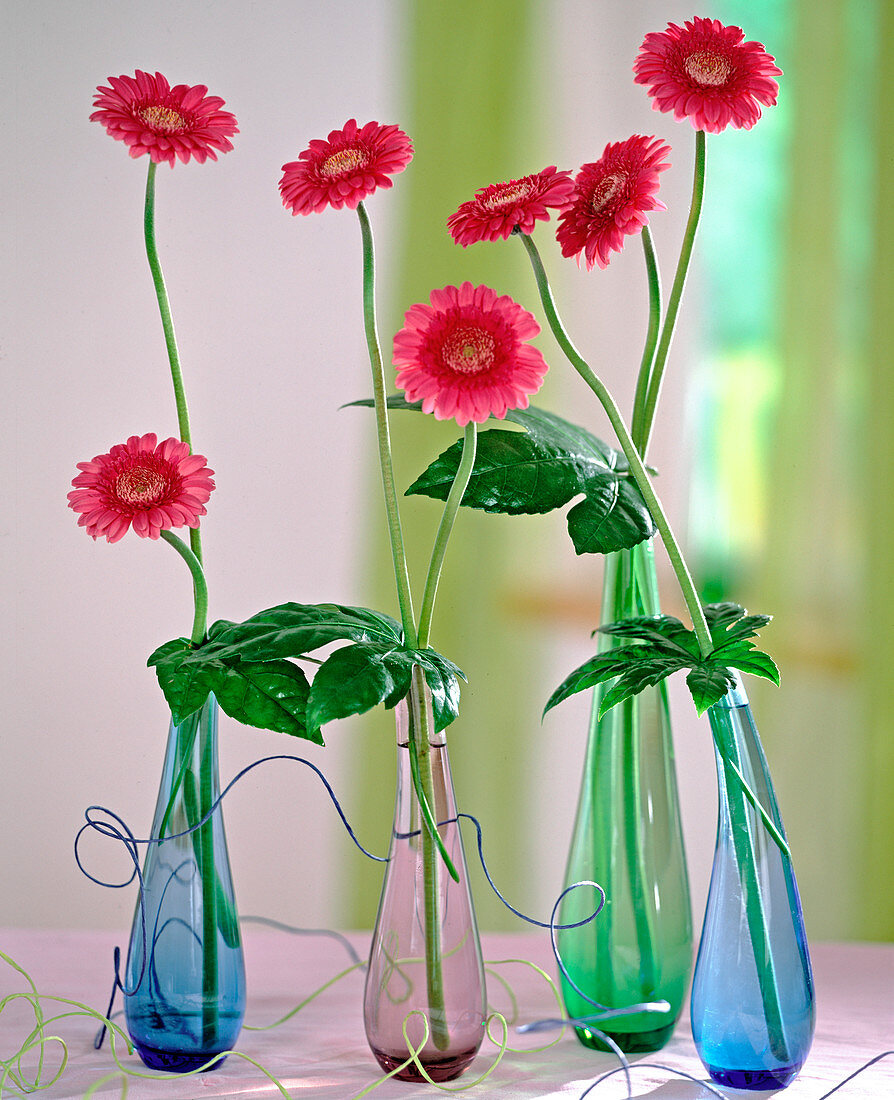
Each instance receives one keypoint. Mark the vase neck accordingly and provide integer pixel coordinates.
(190, 781)
(736, 696)
(414, 719)
(630, 584)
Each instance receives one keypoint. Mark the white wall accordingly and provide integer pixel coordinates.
(267, 311)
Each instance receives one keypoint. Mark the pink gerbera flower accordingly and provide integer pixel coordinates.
(612, 197)
(502, 207)
(704, 71)
(465, 355)
(342, 170)
(150, 116)
(139, 484)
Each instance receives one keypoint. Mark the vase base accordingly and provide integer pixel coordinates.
(631, 1042)
(441, 1068)
(755, 1079)
(177, 1061)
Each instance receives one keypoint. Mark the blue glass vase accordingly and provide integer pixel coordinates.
(185, 976)
(752, 993)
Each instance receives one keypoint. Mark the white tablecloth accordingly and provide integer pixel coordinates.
(321, 1053)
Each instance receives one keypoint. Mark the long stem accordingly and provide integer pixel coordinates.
(199, 585)
(454, 499)
(637, 468)
(167, 322)
(207, 768)
(645, 367)
(204, 843)
(632, 603)
(676, 294)
(398, 555)
(420, 745)
(742, 829)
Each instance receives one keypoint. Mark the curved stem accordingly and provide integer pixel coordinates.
(645, 367)
(398, 555)
(637, 469)
(199, 586)
(167, 322)
(676, 294)
(454, 499)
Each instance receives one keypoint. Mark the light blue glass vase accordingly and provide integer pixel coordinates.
(185, 971)
(752, 992)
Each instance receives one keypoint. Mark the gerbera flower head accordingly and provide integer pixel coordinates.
(466, 354)
(143, 484)
(342, 170)
(150, 116)
(502, 207)
(612, 197)
(707, 73)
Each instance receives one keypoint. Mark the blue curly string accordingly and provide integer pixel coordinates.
(117, 829)
(120, 831)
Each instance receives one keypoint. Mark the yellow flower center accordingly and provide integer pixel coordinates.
(506, 195)
(345, 160)
(165, 119)
(468, 350)
(606, 191)
(707, 68)
(139, 485)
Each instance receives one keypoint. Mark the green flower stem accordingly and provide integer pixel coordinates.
(420, 750)
(676, 294)
(201, 803)
(454, 499)
(645, 367)
(199, 586)
(637, 469)
(744, 843)
(167, 321)
(634, 812)
(197, 803)
(398, 555)
(209, 895)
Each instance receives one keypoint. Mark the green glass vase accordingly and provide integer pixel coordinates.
(628, 837)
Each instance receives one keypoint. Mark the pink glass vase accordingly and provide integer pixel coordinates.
(425, 972)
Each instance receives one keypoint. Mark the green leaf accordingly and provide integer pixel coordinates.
(665, 632)
(513, 474)
(185, 686)
(292, 629)
(598, 669)
(270, 695)
(356, 678)
(612, 517)
(542, 469)
(556, 431)
(442, 676)
(654, 647)
(176, 646)
(708, 684)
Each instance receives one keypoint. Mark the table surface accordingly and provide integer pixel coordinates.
(321, 1052)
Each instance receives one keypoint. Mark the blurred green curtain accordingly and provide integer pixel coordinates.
(827, 572)
(877, 635)
(471, 112)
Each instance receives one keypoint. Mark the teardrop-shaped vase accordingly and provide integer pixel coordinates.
(752, 994)
(185, 976)
(628, 837)
(425, 969)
